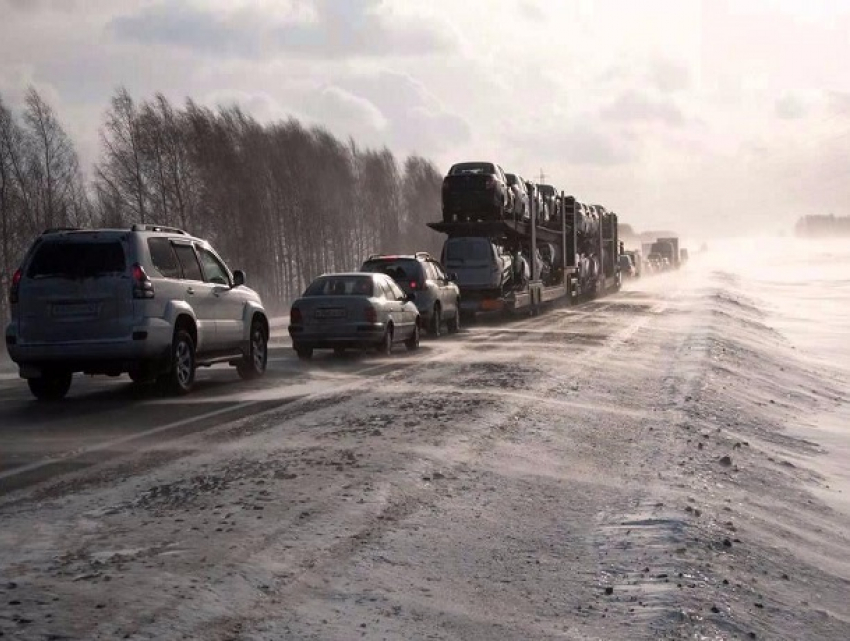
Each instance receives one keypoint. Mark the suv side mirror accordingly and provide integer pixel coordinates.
(452, 277)
(238, 278)
(410, 297)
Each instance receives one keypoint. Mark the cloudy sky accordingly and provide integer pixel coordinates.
(696, 116)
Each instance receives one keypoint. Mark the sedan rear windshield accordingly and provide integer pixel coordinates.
(77, 259)
(341, 286)
(472, 168)
(472, 249)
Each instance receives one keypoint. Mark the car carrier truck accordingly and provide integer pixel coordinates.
(516, 265)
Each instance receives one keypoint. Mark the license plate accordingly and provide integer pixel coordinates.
(74, 310)
(329, 313)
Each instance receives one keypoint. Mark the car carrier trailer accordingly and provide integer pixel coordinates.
(585, 264)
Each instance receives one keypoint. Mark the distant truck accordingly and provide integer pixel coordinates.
(674, 253)
(667, 248)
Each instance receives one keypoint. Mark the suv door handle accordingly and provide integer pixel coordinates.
(190, 290)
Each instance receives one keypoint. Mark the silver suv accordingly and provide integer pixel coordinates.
(151, 301)
(437, 296)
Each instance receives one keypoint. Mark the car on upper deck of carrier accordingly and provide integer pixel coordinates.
(151, 301)
(476, 191)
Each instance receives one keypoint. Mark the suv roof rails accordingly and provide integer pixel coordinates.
(424, 255)
(54, 230)
(170, 230)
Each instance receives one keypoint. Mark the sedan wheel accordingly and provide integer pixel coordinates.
(453, 324)
(304, 353)
(385, 347)
(412, 343)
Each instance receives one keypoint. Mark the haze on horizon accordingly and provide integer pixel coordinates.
(707, 118)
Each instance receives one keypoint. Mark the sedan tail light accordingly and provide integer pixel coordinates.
(16, 284)
(370, 314)
(295, 316)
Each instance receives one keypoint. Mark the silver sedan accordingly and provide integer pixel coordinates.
(353, 309)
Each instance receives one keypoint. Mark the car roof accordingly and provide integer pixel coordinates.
(349, 274)
(62, 232)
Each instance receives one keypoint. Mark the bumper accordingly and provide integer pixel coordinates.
(349, 336)
(149, 341)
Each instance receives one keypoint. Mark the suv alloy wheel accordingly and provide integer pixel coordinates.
(254, 363)
(181, 375)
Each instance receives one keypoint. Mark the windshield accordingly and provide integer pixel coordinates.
(400, 270)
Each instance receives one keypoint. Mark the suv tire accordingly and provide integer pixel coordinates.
(181, 374)
(253, 365)
(51, 387)
(436, 322)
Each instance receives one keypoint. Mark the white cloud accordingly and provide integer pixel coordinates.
(652, 106)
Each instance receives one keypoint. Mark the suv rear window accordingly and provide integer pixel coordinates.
(81, 258)
(402, 270)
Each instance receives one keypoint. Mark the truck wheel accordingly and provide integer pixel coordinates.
(181, 375)
(436, 322)
(52, 386)
(254, 363)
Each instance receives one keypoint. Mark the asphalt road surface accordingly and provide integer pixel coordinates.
(614, 470)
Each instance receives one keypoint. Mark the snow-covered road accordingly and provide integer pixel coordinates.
(616, 470)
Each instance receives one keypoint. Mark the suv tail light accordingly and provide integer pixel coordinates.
(16, 283)
(445, 184)
(142, 285)
(491, 182)
(371, 314)
(295, 316)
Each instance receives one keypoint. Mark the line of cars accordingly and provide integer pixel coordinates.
(388, 301)
(156, 303)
